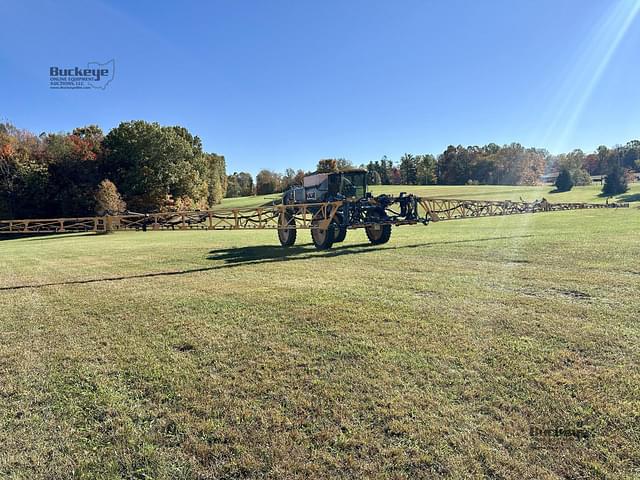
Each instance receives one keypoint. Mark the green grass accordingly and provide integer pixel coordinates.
(220, 355)
(590, 194)
(258, 200)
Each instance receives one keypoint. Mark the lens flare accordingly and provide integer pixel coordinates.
(581, 83)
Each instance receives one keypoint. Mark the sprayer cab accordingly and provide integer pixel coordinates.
(329, 186)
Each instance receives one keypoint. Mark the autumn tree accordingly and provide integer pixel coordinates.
(343, 164)
(267, 182)
(73, 174)
(327, 165)
(288, 178)
(9, 171)
(292, 178)
(108, 199)
(299, 178)
(575, 162)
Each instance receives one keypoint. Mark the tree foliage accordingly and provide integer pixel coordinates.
(152, 164)
(215, 177)
(490, 164)
(564, 182)
(153, 167)
(58, 174)
(575, 163)
(292, 178)
(426, 169)
(373, 178)
(239, 185)
(615, 182)
(108, 199)
(408, 169)
(327, 165)
(268, 182)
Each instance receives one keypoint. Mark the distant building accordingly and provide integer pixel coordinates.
(549, 177)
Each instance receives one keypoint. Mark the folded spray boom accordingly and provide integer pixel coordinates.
(328, 221)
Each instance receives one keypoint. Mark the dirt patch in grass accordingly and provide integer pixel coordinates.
(184, 347)
(576, 294)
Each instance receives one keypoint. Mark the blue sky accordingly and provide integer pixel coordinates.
(276, 84)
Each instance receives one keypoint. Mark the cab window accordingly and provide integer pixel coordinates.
(353, 184)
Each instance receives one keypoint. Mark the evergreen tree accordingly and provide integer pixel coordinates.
(408, 169)
(564, 182)
(373, 178)
(615, 182)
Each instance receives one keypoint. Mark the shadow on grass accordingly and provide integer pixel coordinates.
(622, 197)
(629, 197)
(263, 254)
(45, 236)
(271, 253)
(17, 236)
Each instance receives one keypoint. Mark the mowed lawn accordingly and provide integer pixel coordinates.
(502, 347)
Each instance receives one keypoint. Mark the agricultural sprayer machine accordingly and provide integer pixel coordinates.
(328, 204)
(339, 201)
(342, 202)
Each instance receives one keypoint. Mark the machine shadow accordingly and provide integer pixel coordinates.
(270, 253)
(46, 236)
(15, 236)
(276, 253)
(237, 257)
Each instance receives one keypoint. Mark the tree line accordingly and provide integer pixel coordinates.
(241, 184)
(491, 164)
(615, 164)
(268, 181)
(145, 167)
(139, 166)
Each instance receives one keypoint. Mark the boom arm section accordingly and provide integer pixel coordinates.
(362, 213)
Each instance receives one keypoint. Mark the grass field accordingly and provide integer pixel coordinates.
(589, 194)
(498, 347)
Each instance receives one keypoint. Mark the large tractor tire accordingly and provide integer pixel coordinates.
(376, 233)
(340, 233)
(322, 239)
(287, 237)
